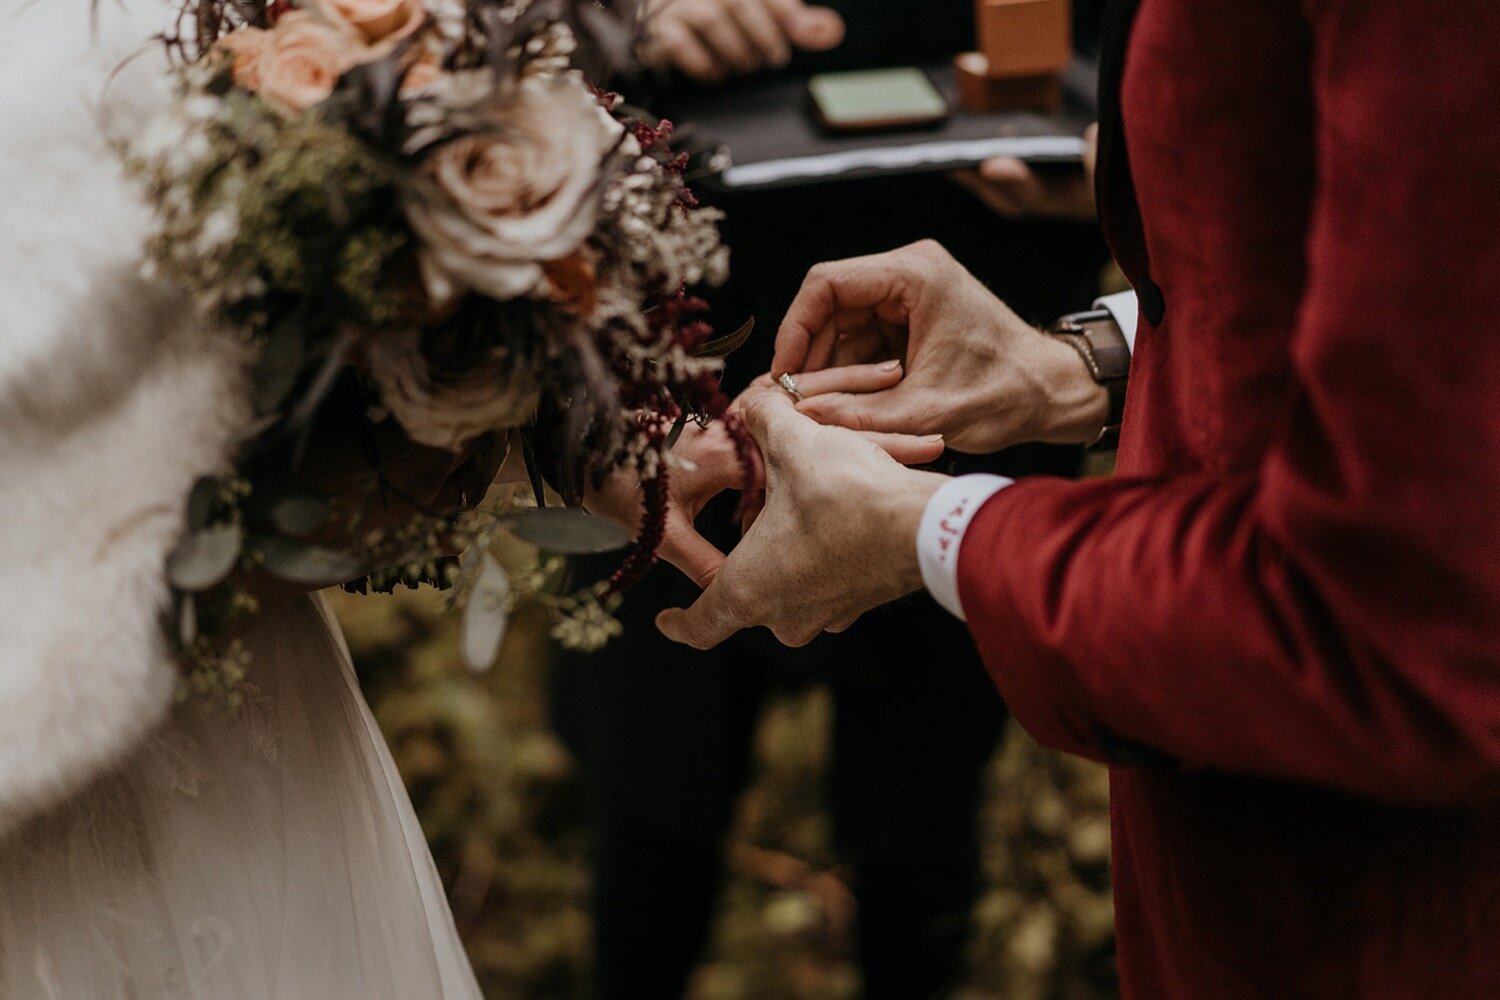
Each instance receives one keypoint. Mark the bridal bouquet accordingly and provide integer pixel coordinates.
(426, 223)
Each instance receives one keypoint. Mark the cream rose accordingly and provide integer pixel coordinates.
(294, 65)
(500, 203)
(446, 410)
(379, 24)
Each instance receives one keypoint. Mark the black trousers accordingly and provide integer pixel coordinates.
(663, 736)
(662, 732)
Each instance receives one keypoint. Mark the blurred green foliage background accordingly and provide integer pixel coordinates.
(500, 805)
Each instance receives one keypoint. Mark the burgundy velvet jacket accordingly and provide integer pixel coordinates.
(1280, 621)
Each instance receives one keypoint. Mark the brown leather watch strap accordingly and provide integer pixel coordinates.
(1101, 343)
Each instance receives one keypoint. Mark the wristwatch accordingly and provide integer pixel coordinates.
(1099, 340)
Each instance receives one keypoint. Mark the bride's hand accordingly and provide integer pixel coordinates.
(706, 463)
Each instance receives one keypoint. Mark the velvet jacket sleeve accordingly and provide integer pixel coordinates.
(1332, 616)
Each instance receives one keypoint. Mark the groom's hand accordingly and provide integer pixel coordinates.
(975, 372)
(706, 463)
(836, 537)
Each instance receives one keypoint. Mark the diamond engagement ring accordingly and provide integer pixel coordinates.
(789, 386)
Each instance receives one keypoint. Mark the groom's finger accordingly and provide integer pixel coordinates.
(908, 449)
(872, 282)
(894, 411)
(707, 623)
(764, 411)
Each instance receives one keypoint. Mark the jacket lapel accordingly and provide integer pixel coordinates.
(1119, 212)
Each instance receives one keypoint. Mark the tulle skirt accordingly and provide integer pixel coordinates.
(265, 852)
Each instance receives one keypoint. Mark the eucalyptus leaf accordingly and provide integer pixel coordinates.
(533, 467)
(323, 382)
(486, 614)
(676, 431)
(187, 620)
(299, 515)
(205, 557)
(279, 364)
(721, 347)
(201, 501)
(568, 530)
(305, 563)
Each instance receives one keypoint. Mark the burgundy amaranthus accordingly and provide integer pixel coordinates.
(677, 318)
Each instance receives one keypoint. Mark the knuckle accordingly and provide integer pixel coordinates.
(698, 16)
(928, 249)
(671, 19)
(793, 636)
(930, 254)
(757, 406)
(738, 601)
(804, 634)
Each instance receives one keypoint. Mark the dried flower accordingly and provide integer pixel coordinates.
(586, 624)
(422, 73)
(296, 64)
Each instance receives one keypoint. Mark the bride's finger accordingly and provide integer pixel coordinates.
(908, 449)
(690, 552)
(851, 378)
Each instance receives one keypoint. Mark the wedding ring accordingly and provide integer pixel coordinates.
(789, 386)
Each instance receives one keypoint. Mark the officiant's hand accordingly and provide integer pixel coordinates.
(976, 373)
(1013, 189)
(706, 463)
(711, 40)
(837, 535)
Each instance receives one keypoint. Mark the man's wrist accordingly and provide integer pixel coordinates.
(1101, 344)
(945, 520)
(1073, 408)
(903, 508)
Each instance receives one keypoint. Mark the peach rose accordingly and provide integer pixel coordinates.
(294, 65)
(502, 202)
(379, 24)
(245, 46)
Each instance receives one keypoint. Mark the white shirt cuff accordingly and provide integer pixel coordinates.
(941, 533)
(1126, 312)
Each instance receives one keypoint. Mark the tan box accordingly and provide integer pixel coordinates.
(1025, 37)
(982, 93)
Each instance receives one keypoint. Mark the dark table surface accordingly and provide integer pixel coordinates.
(762, 135)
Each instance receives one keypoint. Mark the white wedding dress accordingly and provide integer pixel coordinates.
(154, 848)
(271, 852)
